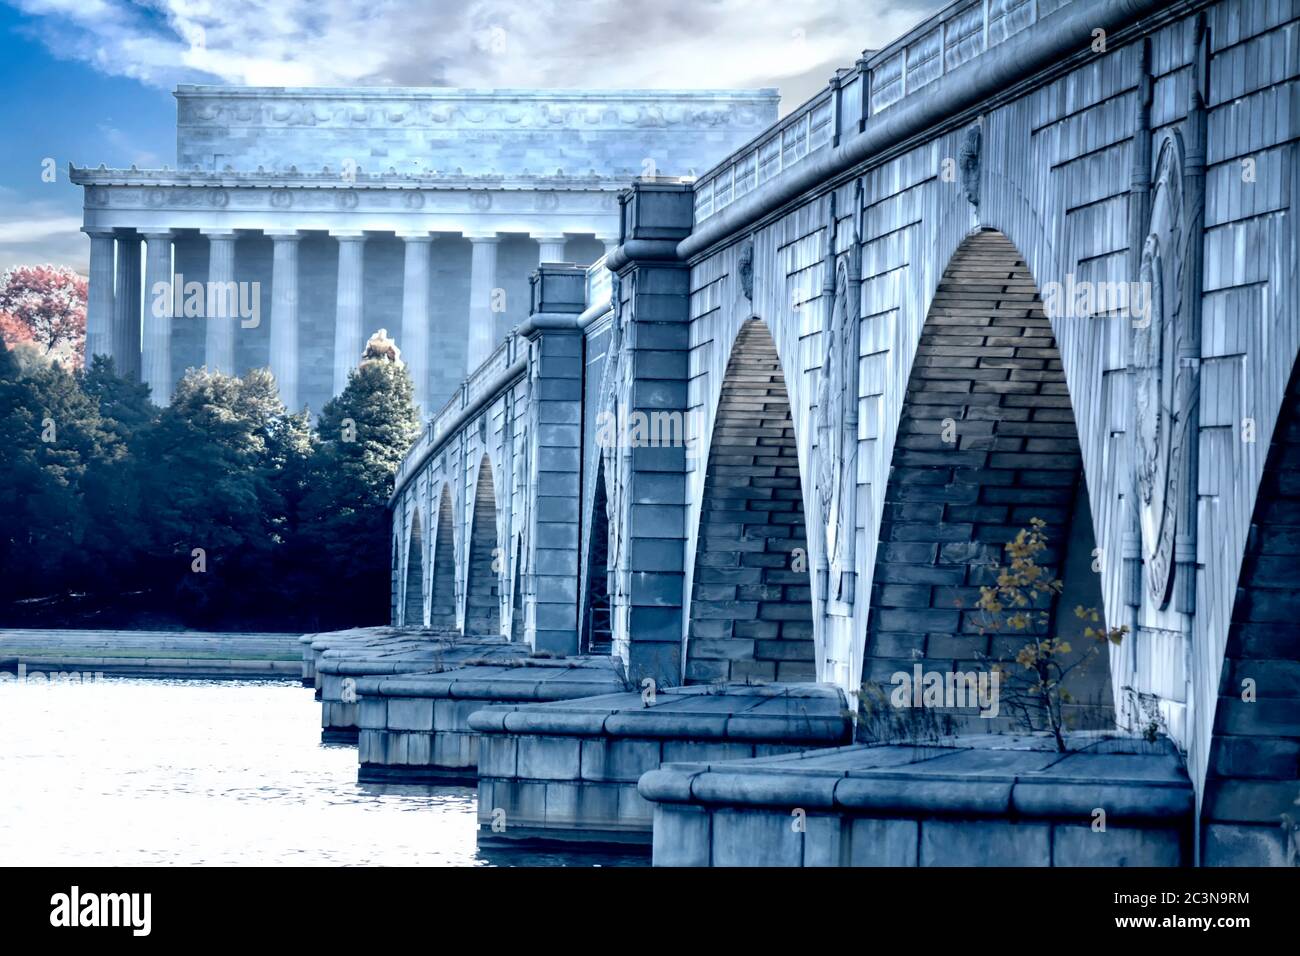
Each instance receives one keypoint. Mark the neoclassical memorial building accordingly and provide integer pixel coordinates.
(340, 211)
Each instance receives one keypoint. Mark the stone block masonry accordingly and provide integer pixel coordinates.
(567, 772)
(414, 728)
(986, 443)
(919, 205)
(988, 801)
(751, 612)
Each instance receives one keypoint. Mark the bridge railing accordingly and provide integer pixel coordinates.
(491, 375)
(487, 376)
(953, 36)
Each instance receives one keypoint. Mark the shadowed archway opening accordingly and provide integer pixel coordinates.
(1254, 760)
(483, 584)
(751, 615)
(517, 624)
(393, 578)
(414, 616)
(442, 611)
(598, 630)
(987, 442)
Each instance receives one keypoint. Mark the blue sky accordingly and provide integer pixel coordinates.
(89, 81)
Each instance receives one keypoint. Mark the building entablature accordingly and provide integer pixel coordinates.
(162, 199)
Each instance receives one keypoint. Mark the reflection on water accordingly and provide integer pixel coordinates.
(135, 772)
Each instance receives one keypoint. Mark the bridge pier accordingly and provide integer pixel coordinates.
(903, 323)
(555, 344)
(649, 385)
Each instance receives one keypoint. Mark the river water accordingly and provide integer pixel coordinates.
(123, 771)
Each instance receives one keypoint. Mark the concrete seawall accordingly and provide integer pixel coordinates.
(177, 654)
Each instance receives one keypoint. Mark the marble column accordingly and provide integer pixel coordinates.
(482, 293)
(414, 340)
(550, 249)
(349, 336)
(99, 303)
(283, 352)
(160, 297)
(221, 303)
(126, 307)
(609, 242)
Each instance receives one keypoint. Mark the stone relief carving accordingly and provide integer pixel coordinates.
(745, 269)
(609, 112)
(328, 197)
(968, 162)
(616, 382)
(1160, 426)
(836, 427)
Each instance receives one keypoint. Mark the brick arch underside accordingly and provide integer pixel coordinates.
(442, 613)
(988, 366)
(1253, 777)
(414, 614)
(751, 614)
(483, 584)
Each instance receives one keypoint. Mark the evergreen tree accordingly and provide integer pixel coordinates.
(209, 479)
(364, 433)
(116, 536)
(51, 438)
(124, 402)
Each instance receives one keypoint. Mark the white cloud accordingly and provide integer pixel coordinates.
(794, 45)
(475, 43)
(36, 232)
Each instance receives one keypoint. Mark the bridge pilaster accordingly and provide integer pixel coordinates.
(649, 479)
(555, 365)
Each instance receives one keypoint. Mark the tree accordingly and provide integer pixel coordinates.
(364, 434)
(123, 400)
(13, 332)
(115, 534)
(53, 443)
(211, 491)
(50, 302)
(1033, 685)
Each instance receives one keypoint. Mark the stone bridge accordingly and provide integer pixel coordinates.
(1035, 259)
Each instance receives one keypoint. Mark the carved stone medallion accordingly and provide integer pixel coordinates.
(1160, 428)
(836, 447)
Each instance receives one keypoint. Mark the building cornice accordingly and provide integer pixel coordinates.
(337, 179)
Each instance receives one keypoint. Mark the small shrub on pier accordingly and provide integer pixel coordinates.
(1033, 682)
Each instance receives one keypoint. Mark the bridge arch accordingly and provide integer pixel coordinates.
(1254, 758)
(482, 582)
(442, 603)
(597, 621)
(986, 441)
(750, 610)
(413, 611)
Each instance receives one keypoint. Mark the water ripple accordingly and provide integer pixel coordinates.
(126, 771)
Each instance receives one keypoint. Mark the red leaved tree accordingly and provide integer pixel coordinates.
(50, 303)
(12, 331)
